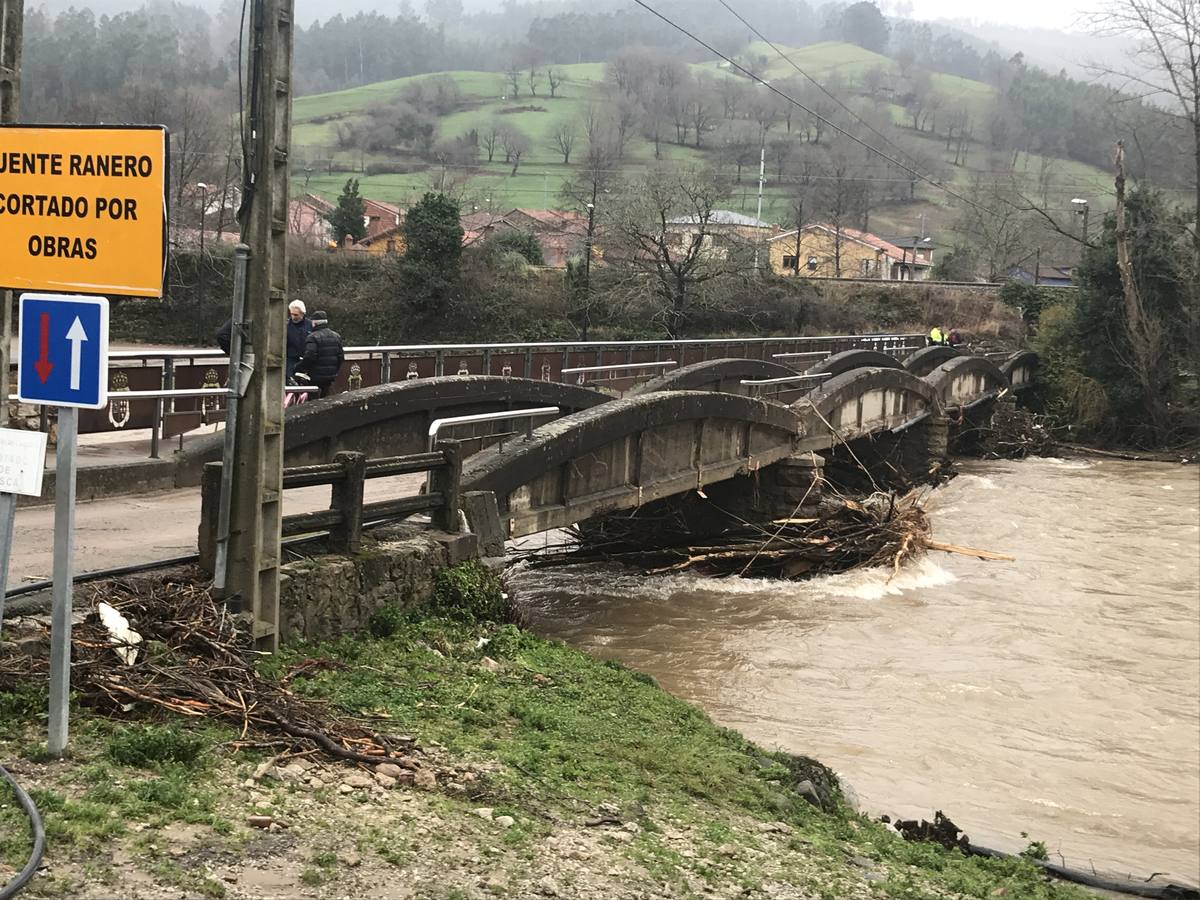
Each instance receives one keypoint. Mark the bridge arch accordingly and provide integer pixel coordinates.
(393, 419)
(925, 360)
(848, 360)
(723, 375)
(966, 380)
(862, 402)
(628, 452)
(1021, 369)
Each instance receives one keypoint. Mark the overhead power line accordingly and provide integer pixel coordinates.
(820, 118)
(824, 90)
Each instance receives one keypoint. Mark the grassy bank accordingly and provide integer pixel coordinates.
(558, 775)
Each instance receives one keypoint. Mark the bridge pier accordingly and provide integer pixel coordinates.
(896, 459)
(792, 487)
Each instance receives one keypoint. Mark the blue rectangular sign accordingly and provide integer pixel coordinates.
(63, 359)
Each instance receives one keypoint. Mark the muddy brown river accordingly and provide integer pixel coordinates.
(1058, 695)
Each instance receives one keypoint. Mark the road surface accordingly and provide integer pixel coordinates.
(118, 531)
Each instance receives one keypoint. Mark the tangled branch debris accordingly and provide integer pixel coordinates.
(881, 530)
(192, 657)
(1016, 433)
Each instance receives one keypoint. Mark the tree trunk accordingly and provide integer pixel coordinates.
(1143, 330)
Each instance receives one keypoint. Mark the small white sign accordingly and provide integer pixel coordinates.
(22, 461)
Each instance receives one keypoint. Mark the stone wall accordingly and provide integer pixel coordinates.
(327, 596)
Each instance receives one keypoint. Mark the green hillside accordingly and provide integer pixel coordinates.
(541, 174)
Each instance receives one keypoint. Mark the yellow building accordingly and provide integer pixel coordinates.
(385, 243)
(827, 252)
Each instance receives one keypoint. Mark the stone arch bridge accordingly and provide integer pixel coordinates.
(697, 426)
(660, 442)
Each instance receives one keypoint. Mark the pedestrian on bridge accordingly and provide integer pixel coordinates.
(323, 355)
(937, 336)
(299, 327)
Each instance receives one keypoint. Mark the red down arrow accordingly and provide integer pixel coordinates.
(43, 365)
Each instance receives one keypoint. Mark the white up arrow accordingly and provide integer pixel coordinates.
(76, 336)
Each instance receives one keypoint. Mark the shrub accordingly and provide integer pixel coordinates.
(386, 621)
(471, 592)
(522, 242)
(146, 746)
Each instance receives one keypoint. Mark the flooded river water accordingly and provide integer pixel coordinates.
(1057, 695)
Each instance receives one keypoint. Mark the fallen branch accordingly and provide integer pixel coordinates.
(969, 551)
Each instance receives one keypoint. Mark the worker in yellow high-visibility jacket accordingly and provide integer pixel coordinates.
(936, 336)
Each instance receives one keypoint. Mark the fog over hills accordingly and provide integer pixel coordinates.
(1047, 47)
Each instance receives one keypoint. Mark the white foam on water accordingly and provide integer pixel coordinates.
(1064, 463)
(979, 480)
(875, 584)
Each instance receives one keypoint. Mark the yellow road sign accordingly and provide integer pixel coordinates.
(84, 209)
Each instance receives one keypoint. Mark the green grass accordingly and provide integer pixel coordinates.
(572, 731)
(557, 733)
(127, 773)
(537, 183)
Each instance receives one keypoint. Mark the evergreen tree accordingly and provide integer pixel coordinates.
(433, 235)
(348, 218)
(864, 24)
(430, 270)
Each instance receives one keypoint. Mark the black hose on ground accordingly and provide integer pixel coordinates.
(1090, 879)
(11, 889)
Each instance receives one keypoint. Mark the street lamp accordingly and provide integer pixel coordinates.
(587, 269)
(1081, 209)
(203, 209)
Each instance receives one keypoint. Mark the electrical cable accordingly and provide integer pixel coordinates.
(84, 577)
(792, 100)
(824, 90)
(38, 831)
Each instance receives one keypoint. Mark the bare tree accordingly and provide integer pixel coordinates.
(489, 137)
(554, 77)
(665, 229)
(703, 111)
(732, 93)
(195, 137)
(515, 144)
(513, 75)
(1165, 65)
(563, 140)
(626, 115)
(841, 198)
(998, 226)
(535, 78)
(587, 193)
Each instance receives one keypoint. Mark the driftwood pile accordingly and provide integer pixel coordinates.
(881, 530)
(1016, 433)
(179, 650)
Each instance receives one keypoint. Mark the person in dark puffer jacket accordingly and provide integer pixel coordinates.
(323, 355)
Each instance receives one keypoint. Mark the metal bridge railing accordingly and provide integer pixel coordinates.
(171, 392)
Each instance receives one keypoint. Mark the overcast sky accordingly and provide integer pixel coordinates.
(1060, 14)
(1056, 14)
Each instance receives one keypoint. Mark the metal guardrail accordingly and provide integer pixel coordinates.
(348, 513)
(808, 354)
(578, 370)
(530, 414)
(159, 389)
(789, 379)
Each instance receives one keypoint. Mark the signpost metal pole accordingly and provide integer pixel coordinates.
(236, 384)
(12, 16)
(64, 576)
(8, 515)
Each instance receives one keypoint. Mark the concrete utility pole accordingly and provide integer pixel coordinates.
(12, 18)
(256, 504)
